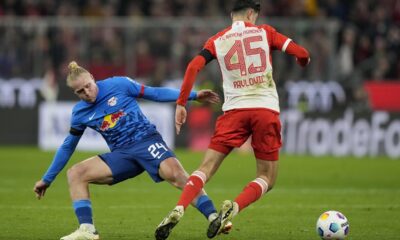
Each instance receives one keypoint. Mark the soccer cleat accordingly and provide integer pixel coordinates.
(82, 233)
(228, 226)
(168, 223)
(225, 215)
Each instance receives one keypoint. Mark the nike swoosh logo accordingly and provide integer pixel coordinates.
(91, 117)
(161, 155)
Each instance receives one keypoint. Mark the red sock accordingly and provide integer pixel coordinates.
(192, 188)
(251, 193)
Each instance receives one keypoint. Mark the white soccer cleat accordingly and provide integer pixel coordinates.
(82, 233)
(168, 223)
(223, 221)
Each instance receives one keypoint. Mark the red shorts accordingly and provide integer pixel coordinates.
(234, 127)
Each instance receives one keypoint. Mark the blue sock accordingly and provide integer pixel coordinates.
(205, 206)
(83, 211)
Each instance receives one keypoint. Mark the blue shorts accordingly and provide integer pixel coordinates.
(131, 161)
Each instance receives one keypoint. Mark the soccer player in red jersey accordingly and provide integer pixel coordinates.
(251, 108)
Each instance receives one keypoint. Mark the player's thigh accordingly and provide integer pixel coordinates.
(266, 138)
(92, 170)
(267, 170)
(122, 163)
(232, 129)
(150, 153)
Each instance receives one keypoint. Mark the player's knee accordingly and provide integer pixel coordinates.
(178, 179)
(75, 173)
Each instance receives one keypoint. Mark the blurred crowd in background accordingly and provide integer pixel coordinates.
(363, 46)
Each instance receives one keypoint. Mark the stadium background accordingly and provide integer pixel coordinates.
(343, 108)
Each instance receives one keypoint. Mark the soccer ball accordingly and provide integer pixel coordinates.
(332, 225)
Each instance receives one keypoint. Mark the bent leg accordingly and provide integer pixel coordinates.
(173, 172)
(92, 170)
(266, 176)
(196, 181)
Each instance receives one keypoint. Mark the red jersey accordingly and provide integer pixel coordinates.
(243, 51)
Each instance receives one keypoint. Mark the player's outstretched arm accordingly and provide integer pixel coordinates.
(192, 70)
(61, 158)
(165, 94)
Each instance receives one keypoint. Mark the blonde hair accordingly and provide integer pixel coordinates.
(74, 70)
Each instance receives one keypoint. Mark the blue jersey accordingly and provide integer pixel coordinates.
(115, 114)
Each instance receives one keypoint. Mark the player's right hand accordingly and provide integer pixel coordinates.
(180, 117)
(40, 188)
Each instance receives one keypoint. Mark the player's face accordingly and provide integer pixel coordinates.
(85, 87)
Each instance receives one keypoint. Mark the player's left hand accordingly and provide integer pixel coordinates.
(207, 95)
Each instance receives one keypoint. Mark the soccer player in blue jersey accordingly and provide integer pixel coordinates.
(110, 108)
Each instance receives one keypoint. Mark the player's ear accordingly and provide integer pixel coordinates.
(249, 14)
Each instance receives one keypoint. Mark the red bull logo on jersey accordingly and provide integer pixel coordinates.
(111, 120)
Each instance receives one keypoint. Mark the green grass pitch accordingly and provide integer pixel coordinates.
(366, 190)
